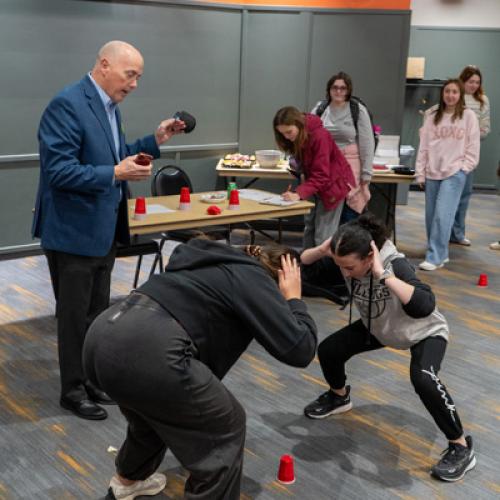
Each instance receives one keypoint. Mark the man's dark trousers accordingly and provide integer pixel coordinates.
(82, 288)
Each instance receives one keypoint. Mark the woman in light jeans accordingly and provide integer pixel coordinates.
(350, 126)
(477, 101)
(448, 151)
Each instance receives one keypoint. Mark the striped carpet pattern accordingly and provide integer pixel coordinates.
(382, 449)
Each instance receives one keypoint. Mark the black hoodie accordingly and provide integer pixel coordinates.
(224, 298)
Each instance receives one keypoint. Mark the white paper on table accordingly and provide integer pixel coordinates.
(278, 201)
(255, 194)
(158, 209)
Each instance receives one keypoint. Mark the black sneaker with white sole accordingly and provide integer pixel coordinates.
(455, 462)
(328, 404)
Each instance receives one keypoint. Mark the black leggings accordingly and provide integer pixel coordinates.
(426, 357)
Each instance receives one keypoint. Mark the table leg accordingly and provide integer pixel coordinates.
(391, 211)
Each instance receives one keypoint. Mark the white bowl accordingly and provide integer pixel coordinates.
(268, 158)
(220, 197)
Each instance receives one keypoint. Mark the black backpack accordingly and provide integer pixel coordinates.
(354, 103)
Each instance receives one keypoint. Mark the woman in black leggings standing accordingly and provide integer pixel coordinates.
(397, 310)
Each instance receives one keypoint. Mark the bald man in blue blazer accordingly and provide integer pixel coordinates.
(81, 205)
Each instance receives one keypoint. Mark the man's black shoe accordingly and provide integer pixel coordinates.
(98, 396)
(84, 408)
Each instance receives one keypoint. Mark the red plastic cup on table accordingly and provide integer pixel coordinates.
(483, 280)
(185, 199)
(234, 200)
(140, 208)
(286, 474)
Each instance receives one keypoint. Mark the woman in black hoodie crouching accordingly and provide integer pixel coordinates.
(162, 352)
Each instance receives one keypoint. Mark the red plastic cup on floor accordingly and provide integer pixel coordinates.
(286, 475)
(483, 280)
(234, 200)
(185, 199)
(140, 208)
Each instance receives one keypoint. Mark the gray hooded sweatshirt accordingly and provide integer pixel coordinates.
(392, 323)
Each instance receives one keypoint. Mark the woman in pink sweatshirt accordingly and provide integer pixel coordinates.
(326, 175)
(449, 150)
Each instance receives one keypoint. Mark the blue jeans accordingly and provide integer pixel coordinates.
(441, 201)
(458, 230)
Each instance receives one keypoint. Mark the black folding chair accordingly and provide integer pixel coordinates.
(168, 181)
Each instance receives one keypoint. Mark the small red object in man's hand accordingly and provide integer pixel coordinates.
(143, 159)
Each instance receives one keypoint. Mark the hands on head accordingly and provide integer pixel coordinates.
(377, 264)
(289, 280)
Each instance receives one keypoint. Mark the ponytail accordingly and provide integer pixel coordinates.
(356, 236)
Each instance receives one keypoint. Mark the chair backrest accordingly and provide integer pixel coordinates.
(169, 180)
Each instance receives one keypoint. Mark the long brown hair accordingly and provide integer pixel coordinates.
(466, 73)
(339, 76)
(290, 115)
(460, 106)
(269, 256)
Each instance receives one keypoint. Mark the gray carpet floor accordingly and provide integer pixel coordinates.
(382, 449)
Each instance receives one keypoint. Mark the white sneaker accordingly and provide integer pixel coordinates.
(465, 242)
(427, 266)
(149, 487)
(495, 245)
(445, 261)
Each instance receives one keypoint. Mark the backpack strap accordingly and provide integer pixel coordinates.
(354, 106)
(321, 107)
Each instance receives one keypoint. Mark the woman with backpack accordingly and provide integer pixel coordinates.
(349, 122)
(448, 152)
(397, 310)
(327, 177)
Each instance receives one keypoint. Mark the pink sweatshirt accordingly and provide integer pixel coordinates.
(447, 147)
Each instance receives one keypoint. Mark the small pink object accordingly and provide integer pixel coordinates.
(286, 474)
(234, 200)
(377, 129)
(483, 280)
(185, 199)
(140, 208)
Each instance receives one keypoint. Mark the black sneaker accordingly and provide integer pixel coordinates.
(456, 461)
(329, 403)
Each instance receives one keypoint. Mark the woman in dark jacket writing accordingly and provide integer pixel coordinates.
(327, 177)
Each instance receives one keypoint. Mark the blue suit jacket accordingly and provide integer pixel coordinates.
(78, 208)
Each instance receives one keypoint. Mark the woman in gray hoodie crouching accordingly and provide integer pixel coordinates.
(397, 310)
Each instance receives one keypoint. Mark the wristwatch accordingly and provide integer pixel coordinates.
(385, 275)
